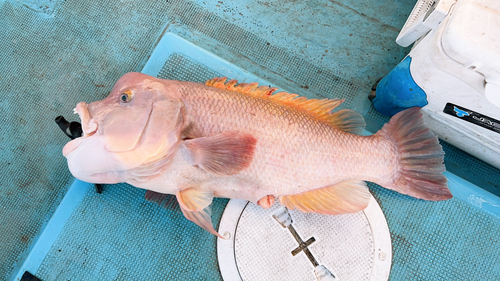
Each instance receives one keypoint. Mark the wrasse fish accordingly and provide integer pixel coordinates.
(223, 139)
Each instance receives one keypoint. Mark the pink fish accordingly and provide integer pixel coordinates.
(218, 139)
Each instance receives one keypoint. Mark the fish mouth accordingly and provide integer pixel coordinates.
(89, 125)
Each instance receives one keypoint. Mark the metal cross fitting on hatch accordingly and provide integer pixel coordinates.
(322, 273)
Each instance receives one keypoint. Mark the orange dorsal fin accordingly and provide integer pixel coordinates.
(345, 120)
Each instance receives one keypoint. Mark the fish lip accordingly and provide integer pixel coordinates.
(89, 124)
(71, 146)
(89, 128)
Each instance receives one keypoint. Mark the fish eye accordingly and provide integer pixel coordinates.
(126, 97)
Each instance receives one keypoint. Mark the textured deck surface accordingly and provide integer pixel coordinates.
(71, 51)
(118, 235)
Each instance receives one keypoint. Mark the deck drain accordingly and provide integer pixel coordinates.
(284, 218)
(306, 247)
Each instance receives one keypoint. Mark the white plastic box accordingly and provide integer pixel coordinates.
(456, 62)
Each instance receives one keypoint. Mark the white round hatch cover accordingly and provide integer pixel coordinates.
(278, 244)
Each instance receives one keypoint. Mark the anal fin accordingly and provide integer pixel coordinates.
(343, 198)
(195, 205)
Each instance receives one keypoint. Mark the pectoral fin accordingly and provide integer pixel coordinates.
(195, 205)
(226, 153)
(342, 198)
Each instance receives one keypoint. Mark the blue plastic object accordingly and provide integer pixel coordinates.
(398, 91)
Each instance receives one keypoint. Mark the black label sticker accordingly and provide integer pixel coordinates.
(472, 117)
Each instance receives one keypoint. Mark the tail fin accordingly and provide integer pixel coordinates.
(421, 157)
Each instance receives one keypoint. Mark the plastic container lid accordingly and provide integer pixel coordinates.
(472, 38)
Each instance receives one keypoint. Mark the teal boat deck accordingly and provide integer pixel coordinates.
(57, 53)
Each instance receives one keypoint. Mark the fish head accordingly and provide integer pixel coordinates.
(137, 124)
